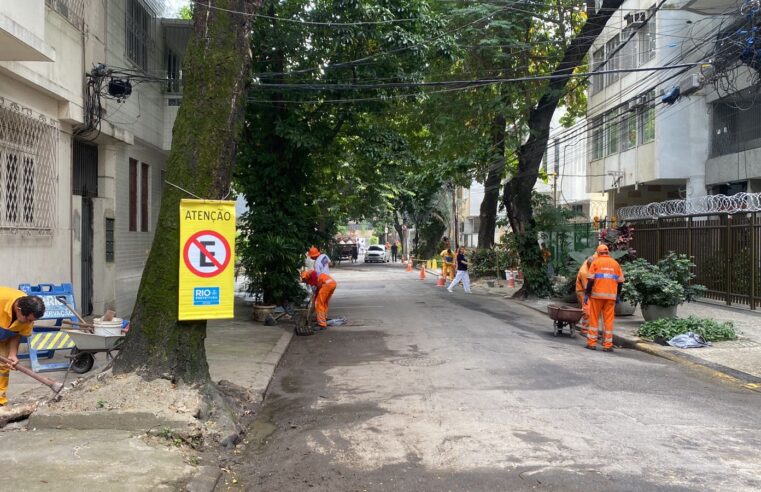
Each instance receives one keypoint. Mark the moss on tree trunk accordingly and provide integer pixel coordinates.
(205, 135)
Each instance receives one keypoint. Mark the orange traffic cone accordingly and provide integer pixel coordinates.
(440, 281)
(409, 265)
(510, 279)
(422, 272)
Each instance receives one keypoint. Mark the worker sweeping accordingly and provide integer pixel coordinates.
(604, 282)
(581, 287)
(18, 312)
(448, 266)
(325, 286)
(322, 261)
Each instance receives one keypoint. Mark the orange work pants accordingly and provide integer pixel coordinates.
(5, 349)
(324, 294)
(606, 307)
(585, 317)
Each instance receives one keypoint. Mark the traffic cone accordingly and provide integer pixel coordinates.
(510, 279)
(440, 281)
(422, 272)
(409, 265)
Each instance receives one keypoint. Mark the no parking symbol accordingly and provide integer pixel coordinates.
(206, 253)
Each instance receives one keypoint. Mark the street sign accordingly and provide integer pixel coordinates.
(207, 242)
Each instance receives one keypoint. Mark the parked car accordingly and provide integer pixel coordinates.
(376, 253)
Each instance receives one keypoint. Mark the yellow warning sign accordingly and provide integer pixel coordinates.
(207, 259)
(53, 340)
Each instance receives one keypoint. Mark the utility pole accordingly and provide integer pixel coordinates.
(555, 188)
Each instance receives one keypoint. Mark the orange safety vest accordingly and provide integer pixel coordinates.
(581, 277)
(607, 274)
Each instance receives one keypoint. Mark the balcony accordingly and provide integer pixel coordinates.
(22, 32)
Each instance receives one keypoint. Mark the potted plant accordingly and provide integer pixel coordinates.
(662, 287)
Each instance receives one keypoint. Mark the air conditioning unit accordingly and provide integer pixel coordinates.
(690, 84)
(635, 19)
(635, 103)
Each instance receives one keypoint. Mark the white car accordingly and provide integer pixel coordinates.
(376, 253)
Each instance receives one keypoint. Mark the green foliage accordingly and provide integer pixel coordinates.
(666, 329)
(665, 284)
(532, 264)
(490, 261)
(272, 263)
(619, 239)
(185, 12)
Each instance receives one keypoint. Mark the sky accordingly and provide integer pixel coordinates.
(173, 7)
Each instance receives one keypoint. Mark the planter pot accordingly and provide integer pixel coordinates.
(651, 312)
(625, 308)
(261, 312)
(490, 283)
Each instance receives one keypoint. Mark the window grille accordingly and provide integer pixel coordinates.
(598, 142)
(109, 240)
(28, 183)
(736, 127)
(629, 130)
(647, 120)
(139, 34)
(613, 130)
(72, 10)
(646, 38)
(614, 59)
(598, 58)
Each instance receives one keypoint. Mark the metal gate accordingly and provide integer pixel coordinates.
(85, 184)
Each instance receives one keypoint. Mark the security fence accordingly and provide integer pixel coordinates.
(572, 237)
(725, 247)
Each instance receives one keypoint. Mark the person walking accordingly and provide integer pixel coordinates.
(462, 272)
(394, 251)
(18, 312)
(322, 261)
(354, 252)
(604, 282)
(325, 286)
(581, 287)
(448, 266)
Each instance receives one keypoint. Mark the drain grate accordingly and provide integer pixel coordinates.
(418, 362)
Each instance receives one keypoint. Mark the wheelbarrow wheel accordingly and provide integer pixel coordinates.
(82, 362)
(572, 330)
(558, 328)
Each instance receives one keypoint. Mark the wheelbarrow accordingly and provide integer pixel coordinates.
(564, 317)
(87, 345)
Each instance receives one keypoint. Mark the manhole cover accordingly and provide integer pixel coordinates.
(418, 362)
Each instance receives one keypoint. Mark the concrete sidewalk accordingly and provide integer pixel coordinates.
(738, 361)
(240, 350)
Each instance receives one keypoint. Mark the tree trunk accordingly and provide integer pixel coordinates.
(205, 136)
(517, 192)
(488, 210)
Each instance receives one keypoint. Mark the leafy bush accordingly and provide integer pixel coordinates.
(619, 240)
(665, 284)
(489, 262)
(666, 329)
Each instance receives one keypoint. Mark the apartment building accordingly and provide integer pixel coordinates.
(642, 149)
(565, 165)
(83, 146)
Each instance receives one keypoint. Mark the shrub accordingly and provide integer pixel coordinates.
(666, 329)
(665, 284)
(489, 262)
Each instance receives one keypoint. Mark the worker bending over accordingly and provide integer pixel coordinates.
(603, 291)
(18, 312)
(448, 264)
(325, 286)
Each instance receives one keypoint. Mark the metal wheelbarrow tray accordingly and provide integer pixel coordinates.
(564, 316)
(87, 344)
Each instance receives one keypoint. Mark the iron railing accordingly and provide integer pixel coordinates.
(72, 10)
(724, 247)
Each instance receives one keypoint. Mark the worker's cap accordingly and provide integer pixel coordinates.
(313, 252)
(602, 249)
(305, 275)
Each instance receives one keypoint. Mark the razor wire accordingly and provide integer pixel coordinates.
(705, 205)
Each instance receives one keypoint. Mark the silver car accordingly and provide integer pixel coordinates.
(376, 253)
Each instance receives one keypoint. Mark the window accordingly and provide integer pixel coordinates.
(647, 120)
(598, 143)
(614, 60)
(138, 33)
(736, 127)
(629, 51)
(646, 38)
(629, 130)
(144, 175)
(598, 58)
(613, 130)
(556, 145)
(27, 179)
(132, 195)
(109, 240)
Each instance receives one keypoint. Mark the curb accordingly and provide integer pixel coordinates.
(727, 374)
(271, 361)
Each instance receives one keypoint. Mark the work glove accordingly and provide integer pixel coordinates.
(618, 299)
(586, 299)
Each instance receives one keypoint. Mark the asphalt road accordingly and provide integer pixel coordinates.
(426, 390)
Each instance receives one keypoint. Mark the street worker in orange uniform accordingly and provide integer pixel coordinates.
(603, 291)
(581, 287)
(322, 261)
(325, 287)
(18, 312)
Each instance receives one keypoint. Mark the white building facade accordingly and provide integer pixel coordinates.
(81, 170)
